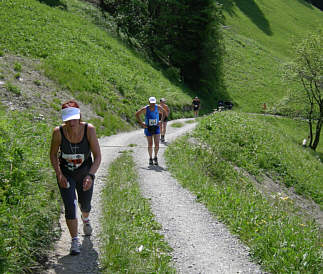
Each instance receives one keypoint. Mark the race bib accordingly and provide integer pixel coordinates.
(152, 122)
(74, 161)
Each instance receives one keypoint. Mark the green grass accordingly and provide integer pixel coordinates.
(279, 239)
(266, 144)
(28, 202)
(18, 67)
(78, 52)
(131, 241)
(177, 124)
(259, 41)
(12, 88)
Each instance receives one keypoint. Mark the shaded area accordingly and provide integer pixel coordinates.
(54, 3)
(251, 10)
(309, 3)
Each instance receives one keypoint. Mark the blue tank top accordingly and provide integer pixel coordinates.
(152, 117)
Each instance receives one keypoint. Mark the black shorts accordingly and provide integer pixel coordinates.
(70, 200)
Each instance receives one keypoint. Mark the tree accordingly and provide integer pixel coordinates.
(187, 35)
(184, 36)
(308, 69)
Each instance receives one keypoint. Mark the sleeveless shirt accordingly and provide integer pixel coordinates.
(152, 117)
(75, 157)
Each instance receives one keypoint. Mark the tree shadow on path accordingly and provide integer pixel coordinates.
(251, 10)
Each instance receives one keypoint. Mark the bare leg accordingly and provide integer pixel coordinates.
(85, 214)
(164, 124)
(72, 227)
(156, 141)
(150, 146)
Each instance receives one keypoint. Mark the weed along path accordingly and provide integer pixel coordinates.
(200, 243)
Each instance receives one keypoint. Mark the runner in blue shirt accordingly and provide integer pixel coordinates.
(151, 126)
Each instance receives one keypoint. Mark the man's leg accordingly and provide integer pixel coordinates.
(150, 147)
(164, 128)
(156, 148)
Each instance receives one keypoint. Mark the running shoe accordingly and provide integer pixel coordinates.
(162, 139)
(75, 247)
(151, 162)
(155, 161)
(87, 228)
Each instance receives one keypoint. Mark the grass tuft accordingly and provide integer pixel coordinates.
(131, 241)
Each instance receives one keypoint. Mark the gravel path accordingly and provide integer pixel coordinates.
(200, 243)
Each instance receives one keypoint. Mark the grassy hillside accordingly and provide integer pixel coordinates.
(72, 40)
(259, 36)
(75, 46)
(282, 236)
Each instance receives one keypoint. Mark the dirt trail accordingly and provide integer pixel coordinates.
(201, 244)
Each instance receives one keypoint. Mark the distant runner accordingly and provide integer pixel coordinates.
(164, 121)
(72, 146)
(196, 106)
(151, 126)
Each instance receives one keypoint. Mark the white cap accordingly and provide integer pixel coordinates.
(163, 100)
(152, 100)
(70, 113)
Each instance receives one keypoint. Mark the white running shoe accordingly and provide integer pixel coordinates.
(87, 228)
(75, 247)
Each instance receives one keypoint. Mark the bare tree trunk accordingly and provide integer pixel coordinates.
(317, 134)
(310, 124)
(318, 129)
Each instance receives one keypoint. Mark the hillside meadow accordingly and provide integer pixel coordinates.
(228, 150)
(73, 42)
(77, 48)
(259, 39)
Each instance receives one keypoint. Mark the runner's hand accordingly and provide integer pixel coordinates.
(62, 181)
(87, 183)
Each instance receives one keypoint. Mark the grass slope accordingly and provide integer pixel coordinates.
(79, 53)
(281, 238)
(29, 207)
(259, 38)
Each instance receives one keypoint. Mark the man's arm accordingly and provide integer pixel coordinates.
(138, 114)
(162, 111)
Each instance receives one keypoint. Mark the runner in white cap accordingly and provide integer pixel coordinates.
(151, 126)
(72, 147)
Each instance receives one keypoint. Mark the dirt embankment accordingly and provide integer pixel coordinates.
(23, 85)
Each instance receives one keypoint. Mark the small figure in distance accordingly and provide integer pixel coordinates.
(72, 146)
(228, 105)
(304, 143)
(164, 121)
(220, 106)
(196, 103)
(151, 126)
